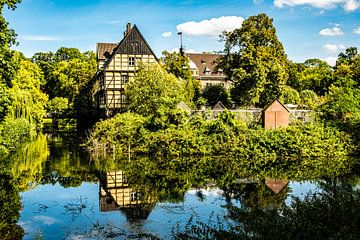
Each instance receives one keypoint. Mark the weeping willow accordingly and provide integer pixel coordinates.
(25, 106)
(27, 162)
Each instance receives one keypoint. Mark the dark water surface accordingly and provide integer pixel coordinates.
(66, 195)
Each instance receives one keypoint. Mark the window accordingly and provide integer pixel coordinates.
(207, 71)
(133, 196)
(135, 46)
(131, 61)
(124, 79)
(124, 179)
(123, 98)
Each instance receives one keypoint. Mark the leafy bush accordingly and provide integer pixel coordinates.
(57, 104)
(12, 133)
(289, 95)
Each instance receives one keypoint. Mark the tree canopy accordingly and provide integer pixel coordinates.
(153, 88)
(255, 60)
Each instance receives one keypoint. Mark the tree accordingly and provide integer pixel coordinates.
(67, 54)
(290, 95)
(178, 64)
(255, 60)
(72, 75)
(216, 93)
(28, 101)
(341, 103)
(8, 66)
(347, 57)
(153, 88)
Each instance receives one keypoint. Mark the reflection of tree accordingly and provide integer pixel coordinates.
(10, 206)
(26, 163)
(332, 213)
(256, 195)
(67, 164)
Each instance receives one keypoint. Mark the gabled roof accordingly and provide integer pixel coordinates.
(276, 185)
(102, 48)
(127, 45)
(203, 61)
(273, 102)
(219, 107)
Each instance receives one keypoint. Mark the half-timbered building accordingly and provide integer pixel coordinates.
(117, 65)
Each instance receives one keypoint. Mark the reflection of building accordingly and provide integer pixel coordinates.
(203, 68)
(117, 65)
(116, 194)
(276, 185)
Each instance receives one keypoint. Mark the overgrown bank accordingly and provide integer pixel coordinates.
(175, 135)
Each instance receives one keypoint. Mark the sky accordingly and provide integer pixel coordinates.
(307, 28)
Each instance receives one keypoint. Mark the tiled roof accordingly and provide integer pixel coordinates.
(203, 61)
(102, 48)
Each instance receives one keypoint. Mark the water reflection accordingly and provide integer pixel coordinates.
(65, 195)
(117, 194)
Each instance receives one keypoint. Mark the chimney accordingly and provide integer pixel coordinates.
(128, 28)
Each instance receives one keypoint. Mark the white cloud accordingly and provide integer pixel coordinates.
(357, 31)
(351, 5)
(335, 31)
(330, 60)
(333, 48)
(45, 219)
(348, 5)
(38, 38)
(212, 27)
(166, 34)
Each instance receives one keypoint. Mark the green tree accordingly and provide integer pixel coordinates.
(341, 103)
(57, 104)
(255, 60)
(153, 88)
(71, 76)
(309, 99)
(178, 65)
(216, 93)
(28, 101)
(290, 95)
(67, 54)
(8, 66)
(347, 56)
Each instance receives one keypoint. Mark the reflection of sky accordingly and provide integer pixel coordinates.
(45, 211)
(300, 189)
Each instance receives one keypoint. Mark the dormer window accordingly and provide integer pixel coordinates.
(207, 71)
(220, 71)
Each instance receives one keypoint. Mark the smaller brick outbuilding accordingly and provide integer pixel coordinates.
(275, 115)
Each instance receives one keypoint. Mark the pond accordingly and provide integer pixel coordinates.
(63, 193)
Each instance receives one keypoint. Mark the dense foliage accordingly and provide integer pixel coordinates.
(216, 93)
(255, 60)
(153, 88)
(252, 152)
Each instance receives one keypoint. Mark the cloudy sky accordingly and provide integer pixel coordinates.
(307, 28)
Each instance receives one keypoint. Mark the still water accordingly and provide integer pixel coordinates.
(66, 194)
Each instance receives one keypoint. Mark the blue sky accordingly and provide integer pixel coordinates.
(307, 28)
